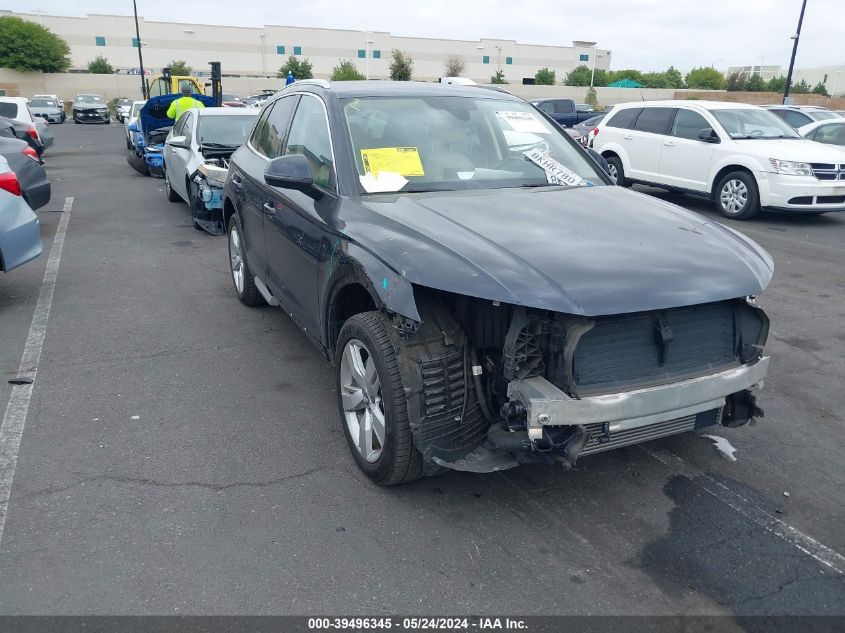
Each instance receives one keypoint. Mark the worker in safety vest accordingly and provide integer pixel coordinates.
(183, 103)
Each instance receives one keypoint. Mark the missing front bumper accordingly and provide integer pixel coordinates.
(546, 405)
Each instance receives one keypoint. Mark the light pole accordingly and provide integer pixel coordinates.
(262, 37)
(140, 57)
(367, 42)
(40, 13)
(593, 74)
(795, 39)
(835, 81)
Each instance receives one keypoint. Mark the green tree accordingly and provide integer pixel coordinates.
(654, 80)
(619, 75)
(820, 89)
(579, 76)
(346, 71)
(776, 84)
(180, 68)
(544, 77)
(301, 69)
(401, 65)
(736, 82)
(27, 46)
(592, 97)
(455, 66)
(705, 78)
(100, 66)
(498, 78)
(674, 79)
(755, 83)
(801, 88)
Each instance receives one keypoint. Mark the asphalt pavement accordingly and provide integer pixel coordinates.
(183, 453)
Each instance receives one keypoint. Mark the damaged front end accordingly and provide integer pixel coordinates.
(207, 203)
(493, 385)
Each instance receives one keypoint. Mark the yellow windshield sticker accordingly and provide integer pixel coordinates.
(404, 161)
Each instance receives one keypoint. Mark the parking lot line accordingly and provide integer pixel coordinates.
(18, 406)
(747, 508)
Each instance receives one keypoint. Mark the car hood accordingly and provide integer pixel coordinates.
(153, 114)
(590, 251)
(89, 106)
(45, 110)
(799, 150)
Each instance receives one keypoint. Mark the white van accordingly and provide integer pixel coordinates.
(741, 156)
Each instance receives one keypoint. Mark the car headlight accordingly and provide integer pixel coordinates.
(791, 168)
(103, 110)
(214, 175)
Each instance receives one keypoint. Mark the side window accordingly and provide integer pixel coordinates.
(796, 119)
(158, 88)
(547, 107)
(188, 127)
(277, 124)
(688, 124)
(258, 130)
(309, 136)
(654, 120)
(180, 125)
(563, 106)
(625, 119)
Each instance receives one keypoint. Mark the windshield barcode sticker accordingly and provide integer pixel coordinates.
(523, 122)
(556, 174)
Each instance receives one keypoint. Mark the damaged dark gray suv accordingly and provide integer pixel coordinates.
(486, 296)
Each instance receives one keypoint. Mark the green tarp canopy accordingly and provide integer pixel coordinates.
(626, 83)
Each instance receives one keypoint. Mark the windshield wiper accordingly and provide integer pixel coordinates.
(210, 145)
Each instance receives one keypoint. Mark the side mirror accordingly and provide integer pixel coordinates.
(707, 135)
(177, 141)
(290, 172)
(133, 127)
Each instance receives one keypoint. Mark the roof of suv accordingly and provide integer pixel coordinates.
(352, 89)
(674, 103)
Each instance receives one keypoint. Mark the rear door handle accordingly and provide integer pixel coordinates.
(669, 144)
(270, 209)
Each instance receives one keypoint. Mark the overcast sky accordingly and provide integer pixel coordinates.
(644, 34)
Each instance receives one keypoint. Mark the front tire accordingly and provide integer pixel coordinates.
(242, 277)
(372, 402)
(172, 196)
(737, 196)
(616, 171)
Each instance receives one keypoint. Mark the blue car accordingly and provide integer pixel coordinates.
(149, 132)
(20, 234)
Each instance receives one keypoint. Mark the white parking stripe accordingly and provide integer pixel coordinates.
(15, 417)
(747, 508)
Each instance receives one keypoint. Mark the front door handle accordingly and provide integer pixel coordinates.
(628, 137)
(237, 182)
(270, 209)
(669, 144)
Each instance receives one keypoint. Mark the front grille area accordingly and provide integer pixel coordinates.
(828, 171)
(595, 443)
(648, 348)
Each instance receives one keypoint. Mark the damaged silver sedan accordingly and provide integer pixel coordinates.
(487, 297)
(196, 158)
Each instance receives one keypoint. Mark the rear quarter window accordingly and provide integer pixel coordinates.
(624, 119)
(9, 110)
(654, 120)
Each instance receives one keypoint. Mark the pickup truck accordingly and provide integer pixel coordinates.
(564, 111)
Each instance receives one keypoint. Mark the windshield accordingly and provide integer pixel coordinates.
(225, 131)
(745, 123)
(823, 115)
(124, 103)
(43, 103)
(89, 99)
(136, 108)
(454, 143)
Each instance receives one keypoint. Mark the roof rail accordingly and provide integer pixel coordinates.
(317, 82)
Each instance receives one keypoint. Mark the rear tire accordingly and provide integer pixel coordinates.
(242, 276)
(617, 172)
(373, 396)
(737, 196)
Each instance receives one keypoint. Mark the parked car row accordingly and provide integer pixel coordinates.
(743, 157)
(35, 130)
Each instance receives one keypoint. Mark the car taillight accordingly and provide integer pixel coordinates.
(32, 133)
(595, 132)
(9, 182)
(31, 153)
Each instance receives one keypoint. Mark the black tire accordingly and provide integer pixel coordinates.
(615, 165)
(399, 461)
(108, 121)
(736, 196)
(128, 144)
(172, 196)
(248, 294)
(76, 121)
(194, 202)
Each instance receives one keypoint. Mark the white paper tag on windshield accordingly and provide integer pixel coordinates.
(384, 182)
(556, 174)
(523, 122)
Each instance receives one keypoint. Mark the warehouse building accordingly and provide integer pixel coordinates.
(261, 51)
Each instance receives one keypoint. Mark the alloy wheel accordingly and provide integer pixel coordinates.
(361, 397)
(236, 259)
(734, 196)
(614, 174)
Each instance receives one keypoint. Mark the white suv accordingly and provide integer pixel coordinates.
(741, 156)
